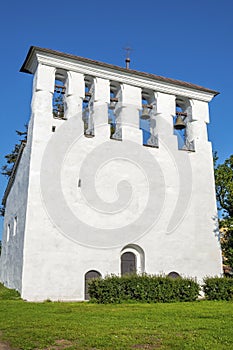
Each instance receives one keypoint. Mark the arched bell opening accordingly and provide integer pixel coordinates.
(147, 118)
(59, 105)
(183, 115)
(89, 276)
(115, 127)
(87, 107)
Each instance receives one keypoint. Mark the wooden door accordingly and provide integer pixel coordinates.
(128, 263)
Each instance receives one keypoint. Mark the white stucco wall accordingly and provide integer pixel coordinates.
(87, 224)
(12, 255)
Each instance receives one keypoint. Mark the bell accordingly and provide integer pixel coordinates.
(87, 97)
(113, 102)
(179, 124)
(112, 105)
(145, 113)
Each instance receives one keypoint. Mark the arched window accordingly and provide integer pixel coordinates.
(173, 274)
(132, 259)
(59, 107)
(88, 276)
(128, 263)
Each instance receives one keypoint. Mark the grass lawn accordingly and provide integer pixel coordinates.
(56, 326)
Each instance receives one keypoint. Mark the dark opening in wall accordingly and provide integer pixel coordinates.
(113, 112)
(180, 126)
(183, 124)
(128, 263)
(88, 276)
(59, 107)
(148, 118)
(88, 108)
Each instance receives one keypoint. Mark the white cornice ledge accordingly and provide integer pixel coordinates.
(128, 77)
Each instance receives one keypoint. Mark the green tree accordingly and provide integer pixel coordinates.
(227, 241)
(224, 194)
(11, 157)
(7, 168)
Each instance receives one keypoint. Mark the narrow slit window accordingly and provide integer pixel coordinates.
(8, 232)
(15, 226)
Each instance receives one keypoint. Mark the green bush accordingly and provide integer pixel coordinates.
(218, 288)
(145, 288)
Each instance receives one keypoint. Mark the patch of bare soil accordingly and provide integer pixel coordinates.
(4, 346)
(147, 346)
(60, 345)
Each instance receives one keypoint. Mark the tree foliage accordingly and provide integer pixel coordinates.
(227, 241)
(224, 194)
(218, 288)
(11, 158)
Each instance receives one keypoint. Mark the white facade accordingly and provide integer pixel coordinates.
(77, 203)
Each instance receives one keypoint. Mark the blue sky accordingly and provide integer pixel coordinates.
(186, 40)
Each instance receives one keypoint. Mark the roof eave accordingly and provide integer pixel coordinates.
(27, 68)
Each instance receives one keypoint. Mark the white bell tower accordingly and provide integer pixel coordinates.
(116, 177)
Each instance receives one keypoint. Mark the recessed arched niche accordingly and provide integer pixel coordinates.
(132, 259)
